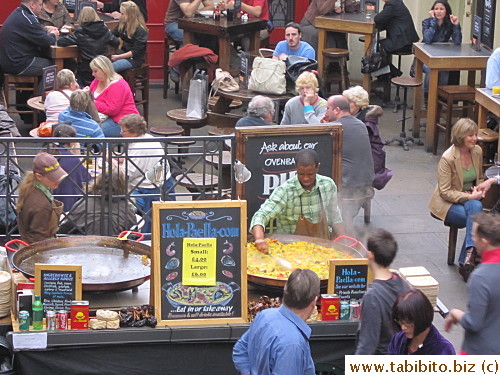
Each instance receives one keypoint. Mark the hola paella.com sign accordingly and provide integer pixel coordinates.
(199, 262)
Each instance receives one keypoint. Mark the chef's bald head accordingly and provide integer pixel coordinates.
(306, 157)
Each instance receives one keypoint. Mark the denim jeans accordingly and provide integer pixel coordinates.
(111, 128)
(121, 65)
(175, 33)
(146, 203)
(442, 78)
(461, 216)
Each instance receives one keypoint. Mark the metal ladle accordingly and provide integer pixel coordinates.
(282, 263)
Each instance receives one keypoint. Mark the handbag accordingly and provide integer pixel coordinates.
(268, 75)
(375, 58)
(197, 102)
(295, 66)
(223, 81)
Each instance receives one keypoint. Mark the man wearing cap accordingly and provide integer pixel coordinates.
(38, 212)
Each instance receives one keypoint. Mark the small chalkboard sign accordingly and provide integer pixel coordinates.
(58, 285)
(476, 33)
(199, 262)
(81, 4)
(486, 11)
(244, 69)
(70, 5)
(268, 152)
(237, 8)
(49, 74)
(349, 278)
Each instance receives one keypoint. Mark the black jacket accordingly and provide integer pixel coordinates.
(114, 6)
(396, 19)
(137, 44)
(92, 40)
(22, 38)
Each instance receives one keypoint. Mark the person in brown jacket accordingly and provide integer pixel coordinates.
(457, 198)
(37, 211)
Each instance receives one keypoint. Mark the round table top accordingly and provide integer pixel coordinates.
(406, 81)
(179, 115)
(492, 171)
(36, 103)
(195, 180)
(214, 159)
(234, 104)
(166, 131)
(245, 95)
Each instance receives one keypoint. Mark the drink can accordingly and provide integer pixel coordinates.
(24, 320)
(51, 320)
(330, 307)
(345, 310)
(62, 320)
(79, 314)
(355, 310)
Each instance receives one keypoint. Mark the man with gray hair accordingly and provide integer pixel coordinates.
(277, 341)
(357, 159)
(260, 112)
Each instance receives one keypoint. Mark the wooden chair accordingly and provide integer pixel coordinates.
(452, 240)
(138, 80)
(449, 97)
(20, 83)
(339, 56)
(169, 46)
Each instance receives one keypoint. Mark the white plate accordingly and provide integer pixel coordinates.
(206, 13)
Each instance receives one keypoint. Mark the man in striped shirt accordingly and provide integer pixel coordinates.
(306, 197)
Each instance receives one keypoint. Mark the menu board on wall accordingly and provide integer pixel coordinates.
(486, 10)
(349, 278)
(199, 262)
(268, 152)
(58, 285)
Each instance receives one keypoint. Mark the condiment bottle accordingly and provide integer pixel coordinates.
(37, 314)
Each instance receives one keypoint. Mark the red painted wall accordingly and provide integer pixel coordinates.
(156, 14)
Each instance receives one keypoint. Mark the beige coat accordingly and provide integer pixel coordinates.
(451, 180)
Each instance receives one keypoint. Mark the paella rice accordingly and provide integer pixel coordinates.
(300, 254)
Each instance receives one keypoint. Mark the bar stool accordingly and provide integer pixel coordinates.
(450, 97)
(187, 123)
(452, 240)
(397, 99)
(404, 82)
(339, 56)
(170, 45)
(20, 83)
(138, 80)
(487, 139)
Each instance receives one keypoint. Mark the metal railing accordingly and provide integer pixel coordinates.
(153, 169)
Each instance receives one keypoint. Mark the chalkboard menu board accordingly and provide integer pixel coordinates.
(48, 79)
(199, 262)
(268, 152)
(486, 10)
(70, 4)
(58, 285)
(349, 278)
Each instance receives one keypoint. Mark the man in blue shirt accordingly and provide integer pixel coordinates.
(493, 70)
(292, 45)
(277, 341)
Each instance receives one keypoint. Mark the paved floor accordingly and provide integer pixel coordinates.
(401, 207)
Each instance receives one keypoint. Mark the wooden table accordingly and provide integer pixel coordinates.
(439, 57)
(354, 23)
(486, 103)
(223, 30)
(36, 104)
(58, 54)
(223, 105)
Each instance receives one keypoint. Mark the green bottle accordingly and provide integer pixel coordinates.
(37, 314)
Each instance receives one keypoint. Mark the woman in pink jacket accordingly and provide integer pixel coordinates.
(112, 95)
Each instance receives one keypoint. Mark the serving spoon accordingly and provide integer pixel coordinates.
(282, 263)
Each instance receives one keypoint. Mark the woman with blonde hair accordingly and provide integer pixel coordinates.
(133, 32)
(92, 39)
(37, 211)
(112, 95)
(369, 114)
(307, 107)
(456, 197)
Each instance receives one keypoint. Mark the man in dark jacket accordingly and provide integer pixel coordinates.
(396, 19)
(23, 41)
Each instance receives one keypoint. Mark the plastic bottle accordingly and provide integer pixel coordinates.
(37, 314)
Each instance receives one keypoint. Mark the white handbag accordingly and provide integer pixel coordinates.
(268, 75)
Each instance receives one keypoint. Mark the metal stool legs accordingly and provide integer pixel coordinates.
(397, 99)
(403, 139)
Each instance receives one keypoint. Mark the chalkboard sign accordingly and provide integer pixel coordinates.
(244, 69)
(49, 74)
(70, 4)
(58, 285)
(81, 4)
(485, 9)
(349, 278)
(199, 262)
(268, 152)
(476, 34)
